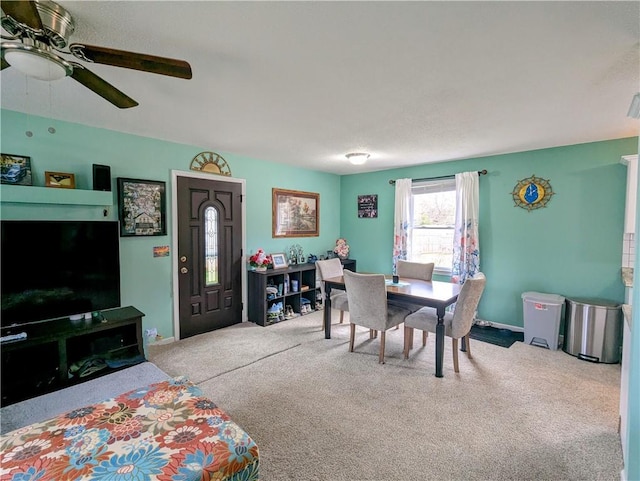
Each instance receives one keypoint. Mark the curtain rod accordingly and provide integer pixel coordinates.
(480, 172)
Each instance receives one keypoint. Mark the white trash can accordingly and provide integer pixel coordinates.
(542, 313)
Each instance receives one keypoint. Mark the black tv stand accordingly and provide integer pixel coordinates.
(61, 352)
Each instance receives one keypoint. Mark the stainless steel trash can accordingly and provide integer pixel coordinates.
(593, 330)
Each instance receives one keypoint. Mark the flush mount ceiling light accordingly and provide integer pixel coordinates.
(634, 109)
(357, 158)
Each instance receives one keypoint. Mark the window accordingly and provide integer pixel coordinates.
(211, 246)
(434, 210)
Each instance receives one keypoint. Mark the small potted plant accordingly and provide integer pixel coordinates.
(260, 261)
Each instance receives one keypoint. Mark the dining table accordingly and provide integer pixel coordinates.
(436, 294)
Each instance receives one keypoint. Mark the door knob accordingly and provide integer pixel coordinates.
(184, 270)
(183, 259)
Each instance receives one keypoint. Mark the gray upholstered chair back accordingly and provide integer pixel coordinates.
(328, 268)
(415, 270)
(467, 304)
(367, 294)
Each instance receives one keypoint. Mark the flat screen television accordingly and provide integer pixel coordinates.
(53, 269)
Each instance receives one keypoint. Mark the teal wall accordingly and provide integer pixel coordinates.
(573, 247)
(147, 281)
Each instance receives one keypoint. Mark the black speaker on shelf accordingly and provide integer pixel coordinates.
(101, 177)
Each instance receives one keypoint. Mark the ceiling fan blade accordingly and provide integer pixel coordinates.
(23, 12)
(5, 64)
(132, 60)
(102, 88)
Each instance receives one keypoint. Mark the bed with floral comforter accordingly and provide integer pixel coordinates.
(167, 431)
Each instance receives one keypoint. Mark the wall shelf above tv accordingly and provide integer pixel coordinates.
(22, 194)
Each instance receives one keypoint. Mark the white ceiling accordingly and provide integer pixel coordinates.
(304, 83)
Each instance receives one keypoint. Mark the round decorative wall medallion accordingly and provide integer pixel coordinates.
(210, 162)
(532, 193)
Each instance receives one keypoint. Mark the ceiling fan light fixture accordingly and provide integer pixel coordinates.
(357, 158)
(36, 63)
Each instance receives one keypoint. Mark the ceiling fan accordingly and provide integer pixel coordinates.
(40, 29)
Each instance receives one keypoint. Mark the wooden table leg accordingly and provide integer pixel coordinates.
(439, 342)
(327, 312)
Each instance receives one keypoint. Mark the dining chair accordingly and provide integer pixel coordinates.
(457, 324)
(332, 268)
(415, 270)
(368, 307)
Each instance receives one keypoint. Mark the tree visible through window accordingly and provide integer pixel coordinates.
(434, 209)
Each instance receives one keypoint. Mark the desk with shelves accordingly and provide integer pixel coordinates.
(302, 275)
(349, 264)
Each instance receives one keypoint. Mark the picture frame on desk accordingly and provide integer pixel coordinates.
(60, 180)
(279, 260)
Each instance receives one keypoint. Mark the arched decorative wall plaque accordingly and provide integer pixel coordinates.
(211, 163)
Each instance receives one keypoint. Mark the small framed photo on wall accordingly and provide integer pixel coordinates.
(368, 206)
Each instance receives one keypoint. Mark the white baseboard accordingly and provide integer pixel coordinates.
(507, 326)
(497, 325)
(164, 340)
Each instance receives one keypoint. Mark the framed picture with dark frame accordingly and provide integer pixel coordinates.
(368, 206)
(279, 260)
(142, 207)
(295, 213)
(15, 169)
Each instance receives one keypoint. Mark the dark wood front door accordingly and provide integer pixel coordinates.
(209, 254)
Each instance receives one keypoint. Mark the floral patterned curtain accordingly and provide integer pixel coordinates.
(402, 220)
(466, 246)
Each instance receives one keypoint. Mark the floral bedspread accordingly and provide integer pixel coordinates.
(167, 431)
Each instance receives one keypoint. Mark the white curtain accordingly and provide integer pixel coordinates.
(466, 246)
(402, 220)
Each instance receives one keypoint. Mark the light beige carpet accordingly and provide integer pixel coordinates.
(319, 412)
(208, 355)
